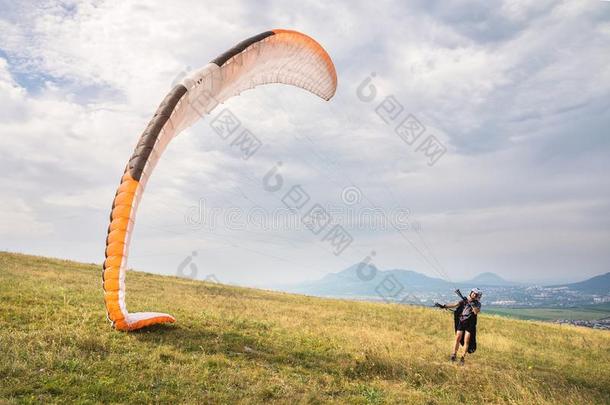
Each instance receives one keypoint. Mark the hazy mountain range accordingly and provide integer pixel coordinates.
(595, 285)
(361, 281)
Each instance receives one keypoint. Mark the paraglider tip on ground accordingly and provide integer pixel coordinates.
(277, 56)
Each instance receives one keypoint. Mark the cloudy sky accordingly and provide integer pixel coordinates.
(517, 93)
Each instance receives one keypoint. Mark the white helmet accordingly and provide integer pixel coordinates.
(477, 292)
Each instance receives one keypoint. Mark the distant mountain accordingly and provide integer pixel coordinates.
(363, 281)
(366, 282)
(595, 285)
(489, 279)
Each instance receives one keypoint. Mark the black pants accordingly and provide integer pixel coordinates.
(467, 325)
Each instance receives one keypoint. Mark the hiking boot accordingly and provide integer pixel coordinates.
(462, 361)
(452, 357)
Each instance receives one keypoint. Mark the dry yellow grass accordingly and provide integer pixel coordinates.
(237, 345)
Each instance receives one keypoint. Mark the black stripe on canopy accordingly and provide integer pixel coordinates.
(222, 59)
(151, 133)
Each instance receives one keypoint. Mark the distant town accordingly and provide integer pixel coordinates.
(585, 303)
(526, 297)
(595, 324)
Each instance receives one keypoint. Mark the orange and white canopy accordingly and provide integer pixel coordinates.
(278, 56)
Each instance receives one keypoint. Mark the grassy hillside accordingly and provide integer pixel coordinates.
(234, 345)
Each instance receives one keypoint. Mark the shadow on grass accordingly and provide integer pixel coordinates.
(287, 350)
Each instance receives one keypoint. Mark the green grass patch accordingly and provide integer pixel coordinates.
(238, 345)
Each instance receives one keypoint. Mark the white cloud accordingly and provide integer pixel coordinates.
(517, 91)
(19, 220)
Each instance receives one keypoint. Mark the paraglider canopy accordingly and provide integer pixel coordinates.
(278, 56)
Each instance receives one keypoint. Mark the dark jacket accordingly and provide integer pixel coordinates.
(472, 344)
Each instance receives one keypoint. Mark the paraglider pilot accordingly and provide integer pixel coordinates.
(465, 322)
